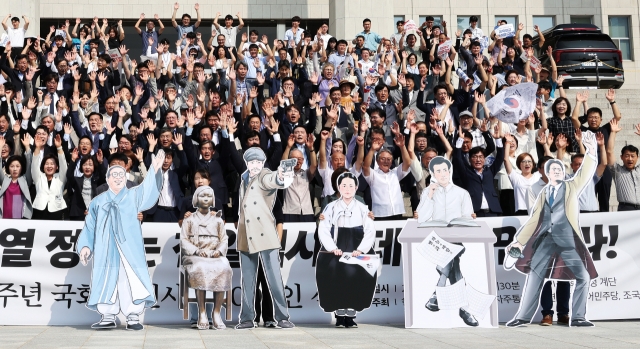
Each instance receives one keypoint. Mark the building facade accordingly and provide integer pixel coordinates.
(618, 18)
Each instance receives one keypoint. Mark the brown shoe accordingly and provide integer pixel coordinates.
(563, 320)
(547, 320)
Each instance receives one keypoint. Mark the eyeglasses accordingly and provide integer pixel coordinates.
(477, 157)
(117, 174)
(526, 162)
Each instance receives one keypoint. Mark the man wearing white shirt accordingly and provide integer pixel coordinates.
(476, 32)
(295, 33)
(324, 168)
(323, 33)
(229, 31)
(386, 195)
(15, 33)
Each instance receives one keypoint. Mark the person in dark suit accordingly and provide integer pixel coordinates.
(203, 158)
(81, 190)
(167, 209)
(291, 117)
(550, 243)
(460, 100)
(63, 73)
(477, 177)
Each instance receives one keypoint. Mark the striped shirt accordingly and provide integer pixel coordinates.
(627, 184)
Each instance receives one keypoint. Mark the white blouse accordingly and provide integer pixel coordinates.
(341, 215)
(521, 187)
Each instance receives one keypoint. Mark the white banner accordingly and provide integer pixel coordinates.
(514, 103)
(42, 282)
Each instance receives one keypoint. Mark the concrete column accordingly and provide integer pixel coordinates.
(345, 17)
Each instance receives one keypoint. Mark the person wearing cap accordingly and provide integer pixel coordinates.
(257, 238)
(15, 33)
(185, 26)
(228, 31)
(371, 39)
(294, 33)
(476, 32)
(466, 122)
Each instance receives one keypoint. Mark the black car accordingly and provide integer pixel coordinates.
(585, 56)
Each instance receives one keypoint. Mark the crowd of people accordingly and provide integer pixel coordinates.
(378, 106)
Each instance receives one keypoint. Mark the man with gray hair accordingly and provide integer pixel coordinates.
(257, 236)
(386, 195)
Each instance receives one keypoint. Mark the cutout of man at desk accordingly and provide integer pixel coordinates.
(550, 245)
(444, 201)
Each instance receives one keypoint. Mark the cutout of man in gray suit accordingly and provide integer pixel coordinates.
(550, 245)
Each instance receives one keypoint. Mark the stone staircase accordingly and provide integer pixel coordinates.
(629, 104)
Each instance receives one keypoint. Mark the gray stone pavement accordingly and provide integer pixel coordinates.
(606, 334)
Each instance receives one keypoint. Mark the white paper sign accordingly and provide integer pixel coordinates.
(514, 103)
(534, 62)
(443, 49)
(438, 251)
(505, 31)
(4, 39)
(410, 25)
(369, 262)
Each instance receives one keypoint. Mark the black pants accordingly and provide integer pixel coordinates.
(45, 215)
(264, 303)
(603, 190)
(624, 207)
(507, 202)
(486, 214)
(299, 218)
(563, 294)
(165, 216)
(397, 217)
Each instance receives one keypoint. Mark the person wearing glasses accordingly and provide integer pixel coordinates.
(521, 177)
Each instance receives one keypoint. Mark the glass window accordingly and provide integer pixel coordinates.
(544, 22)
(619, 32)
(581, 19)
(395, 21)
(463, 22)
(437, 20)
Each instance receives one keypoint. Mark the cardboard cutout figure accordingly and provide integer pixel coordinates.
(550, 245)
(445, 204)
(120, 280)
(257, 236)
(346, 272)
(204, 245)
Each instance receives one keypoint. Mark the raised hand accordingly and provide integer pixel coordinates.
(611, 95)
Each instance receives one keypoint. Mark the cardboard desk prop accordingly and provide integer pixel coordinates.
(435, 241)
(550, 245)
(257, 236)
(203, 250)
(346, 266)
(120, 280)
